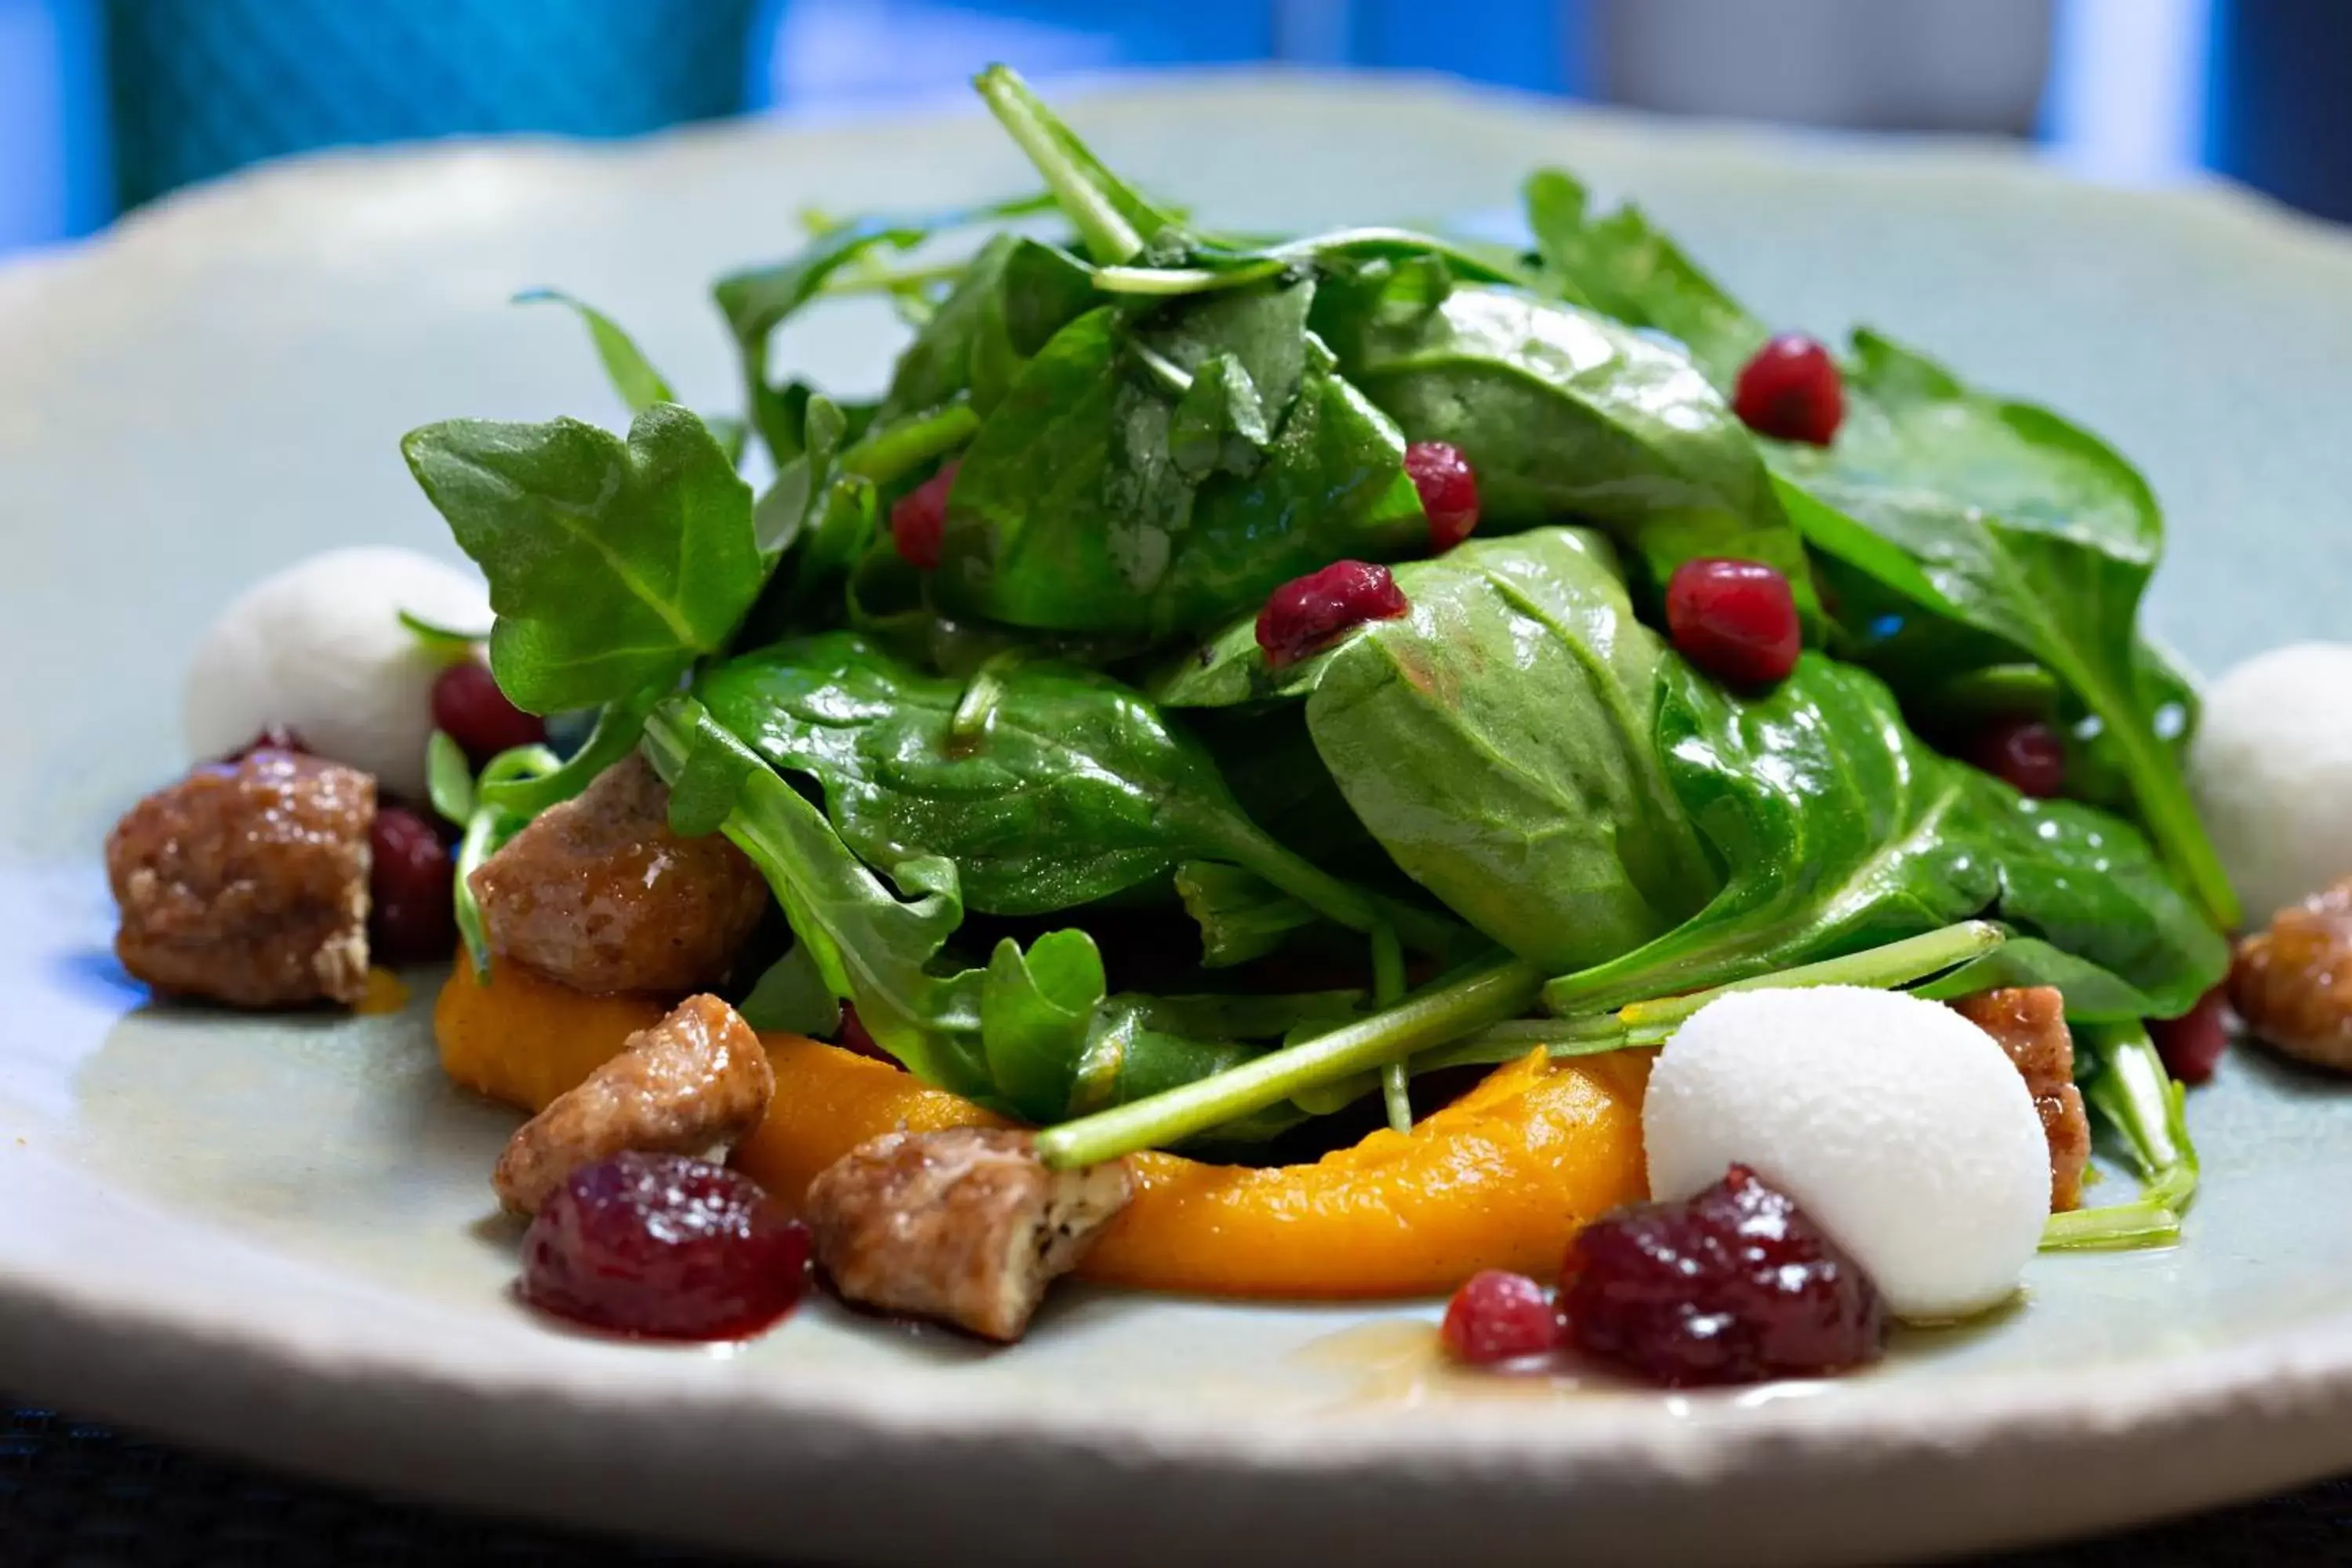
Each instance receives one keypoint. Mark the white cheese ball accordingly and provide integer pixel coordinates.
(318, 648)
(1900, 1128)
(2272, 772)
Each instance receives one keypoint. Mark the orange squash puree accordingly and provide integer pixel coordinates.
(1501, 1178)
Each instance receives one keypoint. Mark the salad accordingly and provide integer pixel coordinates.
(1355, 765)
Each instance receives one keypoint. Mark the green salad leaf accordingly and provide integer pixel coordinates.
(613, 565)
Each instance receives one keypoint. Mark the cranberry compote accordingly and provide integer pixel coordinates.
(1734, 1286)
(1448, 490)
(1500, 1316)
(1305, 613)
(411, 895)
(919, 517)
(467, 703)
(2025, 752)
(2192, 1044)
(1792, 390)
(665, 1246)
(1737, 620)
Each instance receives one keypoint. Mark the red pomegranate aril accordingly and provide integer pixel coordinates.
(919, 517)
(1500, 1316)
(2027, 754)
(1448, 490)
(2192, 1045)
(1792, 390)
(1307, 613)
(412, 895)
(1737, 620)
(665, 1246)
(1734, 1286)
(467, 703)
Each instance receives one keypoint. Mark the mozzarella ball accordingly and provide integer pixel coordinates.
(2272, 772)
(318, 648)
(1898, 1126)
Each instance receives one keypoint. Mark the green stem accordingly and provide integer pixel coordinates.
(1885, 968)
(1109, 238)
(1166, 281)
(1499, 988)
(899, 449)
(1336, 900)
(975, 711)
(2131, 1091)
(1387, 990)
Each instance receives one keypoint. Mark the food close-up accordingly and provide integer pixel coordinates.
(1357, 765)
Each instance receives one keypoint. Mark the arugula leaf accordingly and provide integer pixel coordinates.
(1076, 789)
(1071, 512)
(633, 375)
(1565, 414)
(791, 997)
(612, 565)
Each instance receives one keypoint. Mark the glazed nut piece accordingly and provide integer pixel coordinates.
(693, 1084)
(2028, 1022)
(2292, 984)
(246, 882)
(600, 894)
(966, 1225)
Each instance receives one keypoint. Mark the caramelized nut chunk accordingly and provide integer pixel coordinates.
(2030, 1024)
(966, 1224)
(693, 1084)
(246, 882)
(600, 894)
(2293, 983)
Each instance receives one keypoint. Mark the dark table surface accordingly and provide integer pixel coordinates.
(75, 1495)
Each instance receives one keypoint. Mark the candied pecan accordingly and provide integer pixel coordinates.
(2293, 982)
(246, 882)
(692, 1084)
(2030, 1024)
(965, 1224)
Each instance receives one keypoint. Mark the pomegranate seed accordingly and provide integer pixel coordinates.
(1449, 491)
(852, 1036)
(410, 887)
(1500, 1316)
(667, 1247)
(920, 516)
(2192, 1044)
(1734, 619)
(1305, 613)
(467, 703)
(1792, 390)
(1734, 1286)
(273, 738)
(2027, 754)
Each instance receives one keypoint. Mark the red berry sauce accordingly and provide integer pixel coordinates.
(1500, 1316)
(411, 894)
(665, 1246)
(1449, 491)
(2192, 1045)
(1306, 613)
(1734, 1286)
(920, 516)
(2027, 754)
(467, 703)
(1737, 620)
(1792, 390)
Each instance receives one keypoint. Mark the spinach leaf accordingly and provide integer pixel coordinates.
(1497, 740)
(1995, 515)
(2093, 994)
(1074, 787)
(1072, 514)
(1009, 302)
(1566, 414)
(1840, 831)
(612, 564)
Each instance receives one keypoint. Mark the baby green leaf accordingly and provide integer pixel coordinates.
(791, 997)
(1241, 916)
(633, 375)
(448, 645)
(448, 778)
(612, 564)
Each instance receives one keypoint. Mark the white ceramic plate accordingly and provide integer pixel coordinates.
(272, 1235)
